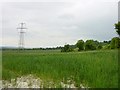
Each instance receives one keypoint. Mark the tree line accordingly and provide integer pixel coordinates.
(92, 45)
(81, 45)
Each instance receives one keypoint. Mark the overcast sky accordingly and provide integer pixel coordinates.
(56, 22)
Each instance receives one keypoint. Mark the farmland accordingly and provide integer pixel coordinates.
(0, 64)
(91, 68)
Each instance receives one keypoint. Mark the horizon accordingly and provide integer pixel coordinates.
(7, 46)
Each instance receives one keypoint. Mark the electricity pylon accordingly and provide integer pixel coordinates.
(21, 38)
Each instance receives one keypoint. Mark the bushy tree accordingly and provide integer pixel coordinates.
(117, 27)
(66, 48)
(99, 47)
(107, 42)
(80, 45)
(90, 45)
(115, 43)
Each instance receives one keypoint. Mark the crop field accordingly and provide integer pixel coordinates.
(91, 68)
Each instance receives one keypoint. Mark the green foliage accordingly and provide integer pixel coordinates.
(99, 47)
(96, 43)
(106, 46)
(90, 45)
(115, 43)
(66, 48)
(117, 27)
(80, 45)
(107, 42)
(97, 69)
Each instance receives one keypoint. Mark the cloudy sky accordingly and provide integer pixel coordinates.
(53, 23)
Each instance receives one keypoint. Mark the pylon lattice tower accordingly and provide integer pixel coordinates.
(21, 32)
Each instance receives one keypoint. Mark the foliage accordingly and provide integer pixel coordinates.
(96, 43)
(99, 47)
(115, 43)
(106, 46)
(80, 45)
(66, 48)
(117, 27)
(107, 42)
(90, 45)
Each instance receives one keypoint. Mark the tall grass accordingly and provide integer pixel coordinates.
(95, 69)
(0, 64)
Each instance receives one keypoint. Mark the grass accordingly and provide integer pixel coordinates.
(0, 64)
(95, 68)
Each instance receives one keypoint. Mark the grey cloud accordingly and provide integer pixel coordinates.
(57, 23)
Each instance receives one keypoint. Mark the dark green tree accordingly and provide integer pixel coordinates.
(99, 47)
(80, 45)
(66, 48)
(115, 43)
(90, 45)
(117, 27)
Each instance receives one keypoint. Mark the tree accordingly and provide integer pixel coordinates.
(115, 43)
(90, 45)
(66, 48)
(117, 27)
(80, 45)
(99, 47)
(96, 43)
(107, 42)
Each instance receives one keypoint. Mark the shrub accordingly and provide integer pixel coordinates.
(66, 48)
(115, 43)
(80, 45)
(90, 45)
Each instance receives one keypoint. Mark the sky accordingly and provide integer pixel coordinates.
(52, 23)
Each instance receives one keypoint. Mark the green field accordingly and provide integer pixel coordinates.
(0, 64)
(92, 68)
